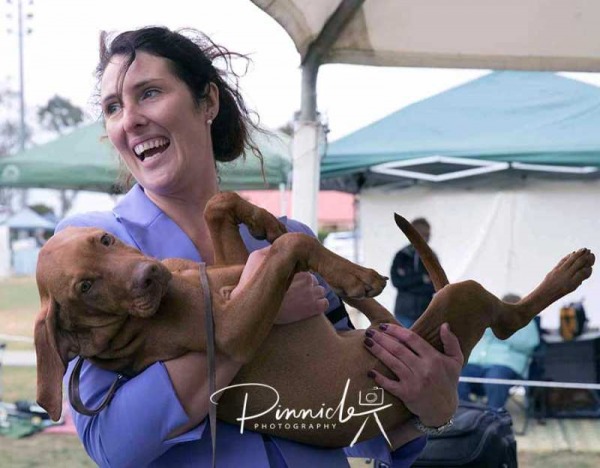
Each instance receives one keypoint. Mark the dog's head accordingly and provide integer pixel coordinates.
(89, 283)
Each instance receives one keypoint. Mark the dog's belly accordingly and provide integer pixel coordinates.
(310, 377)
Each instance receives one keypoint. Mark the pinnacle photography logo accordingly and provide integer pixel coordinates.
(370, 403)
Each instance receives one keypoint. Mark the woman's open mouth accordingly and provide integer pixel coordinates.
(151, 147)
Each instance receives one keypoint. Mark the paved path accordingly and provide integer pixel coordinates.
(17, 358)
(575, 435)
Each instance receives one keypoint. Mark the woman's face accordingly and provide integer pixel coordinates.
(157, 127)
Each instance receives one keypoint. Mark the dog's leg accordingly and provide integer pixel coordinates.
(243, 323)
(470, 309)
(564, 278)
(373, 310)
(223, 213)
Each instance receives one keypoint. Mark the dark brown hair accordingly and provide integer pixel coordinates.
(192, 56)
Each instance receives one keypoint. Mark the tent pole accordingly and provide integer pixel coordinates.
(305, 151)
(307, 130)
(282, 200)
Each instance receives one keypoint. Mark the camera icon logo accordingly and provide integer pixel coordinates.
(373, 397)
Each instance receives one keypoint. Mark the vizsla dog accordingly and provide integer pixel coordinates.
(107, 302)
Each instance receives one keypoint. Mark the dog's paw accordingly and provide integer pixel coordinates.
(571, 271)
(265, 226)
(357, 282)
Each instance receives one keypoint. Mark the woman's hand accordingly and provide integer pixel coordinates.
(427, 379)
(304, 298)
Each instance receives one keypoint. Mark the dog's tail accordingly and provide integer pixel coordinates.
(432, 264)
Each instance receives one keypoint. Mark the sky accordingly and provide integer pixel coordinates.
(61, 52)
(62, 49)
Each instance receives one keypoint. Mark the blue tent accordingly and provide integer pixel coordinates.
(29, 219)
(504, 120)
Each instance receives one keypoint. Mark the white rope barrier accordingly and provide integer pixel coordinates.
(530, 383)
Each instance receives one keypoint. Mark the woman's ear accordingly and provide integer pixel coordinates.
(212, 101)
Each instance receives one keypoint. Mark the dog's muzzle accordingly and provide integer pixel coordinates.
(149, 284)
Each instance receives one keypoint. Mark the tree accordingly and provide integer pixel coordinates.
(59, 114)
(10, 134)
(10, 137)
(41, 209)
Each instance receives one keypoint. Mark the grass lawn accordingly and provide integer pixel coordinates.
(38, 450)
(43, 450)
(18, 383)
(19, 304)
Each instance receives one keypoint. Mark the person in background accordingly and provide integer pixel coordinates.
(493, 358)
(172, 110)
(410, 278)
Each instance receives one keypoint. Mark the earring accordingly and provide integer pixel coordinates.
(209, 122)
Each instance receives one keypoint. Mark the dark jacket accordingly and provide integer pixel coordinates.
(409, 276)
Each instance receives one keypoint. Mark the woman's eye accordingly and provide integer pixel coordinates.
(149, 93)
(85, 286)
(106, 240)
(112, 108)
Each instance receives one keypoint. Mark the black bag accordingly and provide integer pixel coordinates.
(480, 437)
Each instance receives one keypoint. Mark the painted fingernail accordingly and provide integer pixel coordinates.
(383, 326)
(369, 342)
(371, 374)
(370, 333)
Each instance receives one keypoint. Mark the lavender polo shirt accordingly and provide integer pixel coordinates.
(132, 431)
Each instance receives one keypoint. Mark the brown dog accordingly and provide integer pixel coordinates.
(109, 303)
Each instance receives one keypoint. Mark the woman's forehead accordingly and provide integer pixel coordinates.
(144, 67)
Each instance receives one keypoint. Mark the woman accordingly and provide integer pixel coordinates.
(170, 114)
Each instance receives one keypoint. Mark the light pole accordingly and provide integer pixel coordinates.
(20, 35)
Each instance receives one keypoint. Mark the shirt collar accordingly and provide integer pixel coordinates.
(152, 230)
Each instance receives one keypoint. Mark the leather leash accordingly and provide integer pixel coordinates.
(75, 396)
(210, 349)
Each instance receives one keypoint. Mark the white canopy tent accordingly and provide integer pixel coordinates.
(555, 35)
(502, 230)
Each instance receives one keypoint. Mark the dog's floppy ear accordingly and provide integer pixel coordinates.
(52, 358)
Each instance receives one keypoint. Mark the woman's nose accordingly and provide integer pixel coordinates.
(133, 118)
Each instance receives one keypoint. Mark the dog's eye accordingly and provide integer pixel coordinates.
(106, 240)
(85, 286)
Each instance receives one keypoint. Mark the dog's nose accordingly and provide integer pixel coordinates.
(144, 275)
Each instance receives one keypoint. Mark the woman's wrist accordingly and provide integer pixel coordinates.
(403, 434)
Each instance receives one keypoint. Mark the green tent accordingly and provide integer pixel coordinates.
(517, 121)
(85, 160)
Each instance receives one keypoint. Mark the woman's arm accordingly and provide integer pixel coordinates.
(136, 427)
(188, 375)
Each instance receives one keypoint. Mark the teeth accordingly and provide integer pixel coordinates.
(149, 144)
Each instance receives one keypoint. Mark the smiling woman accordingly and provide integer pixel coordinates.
(172, 114)
(158, 88)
